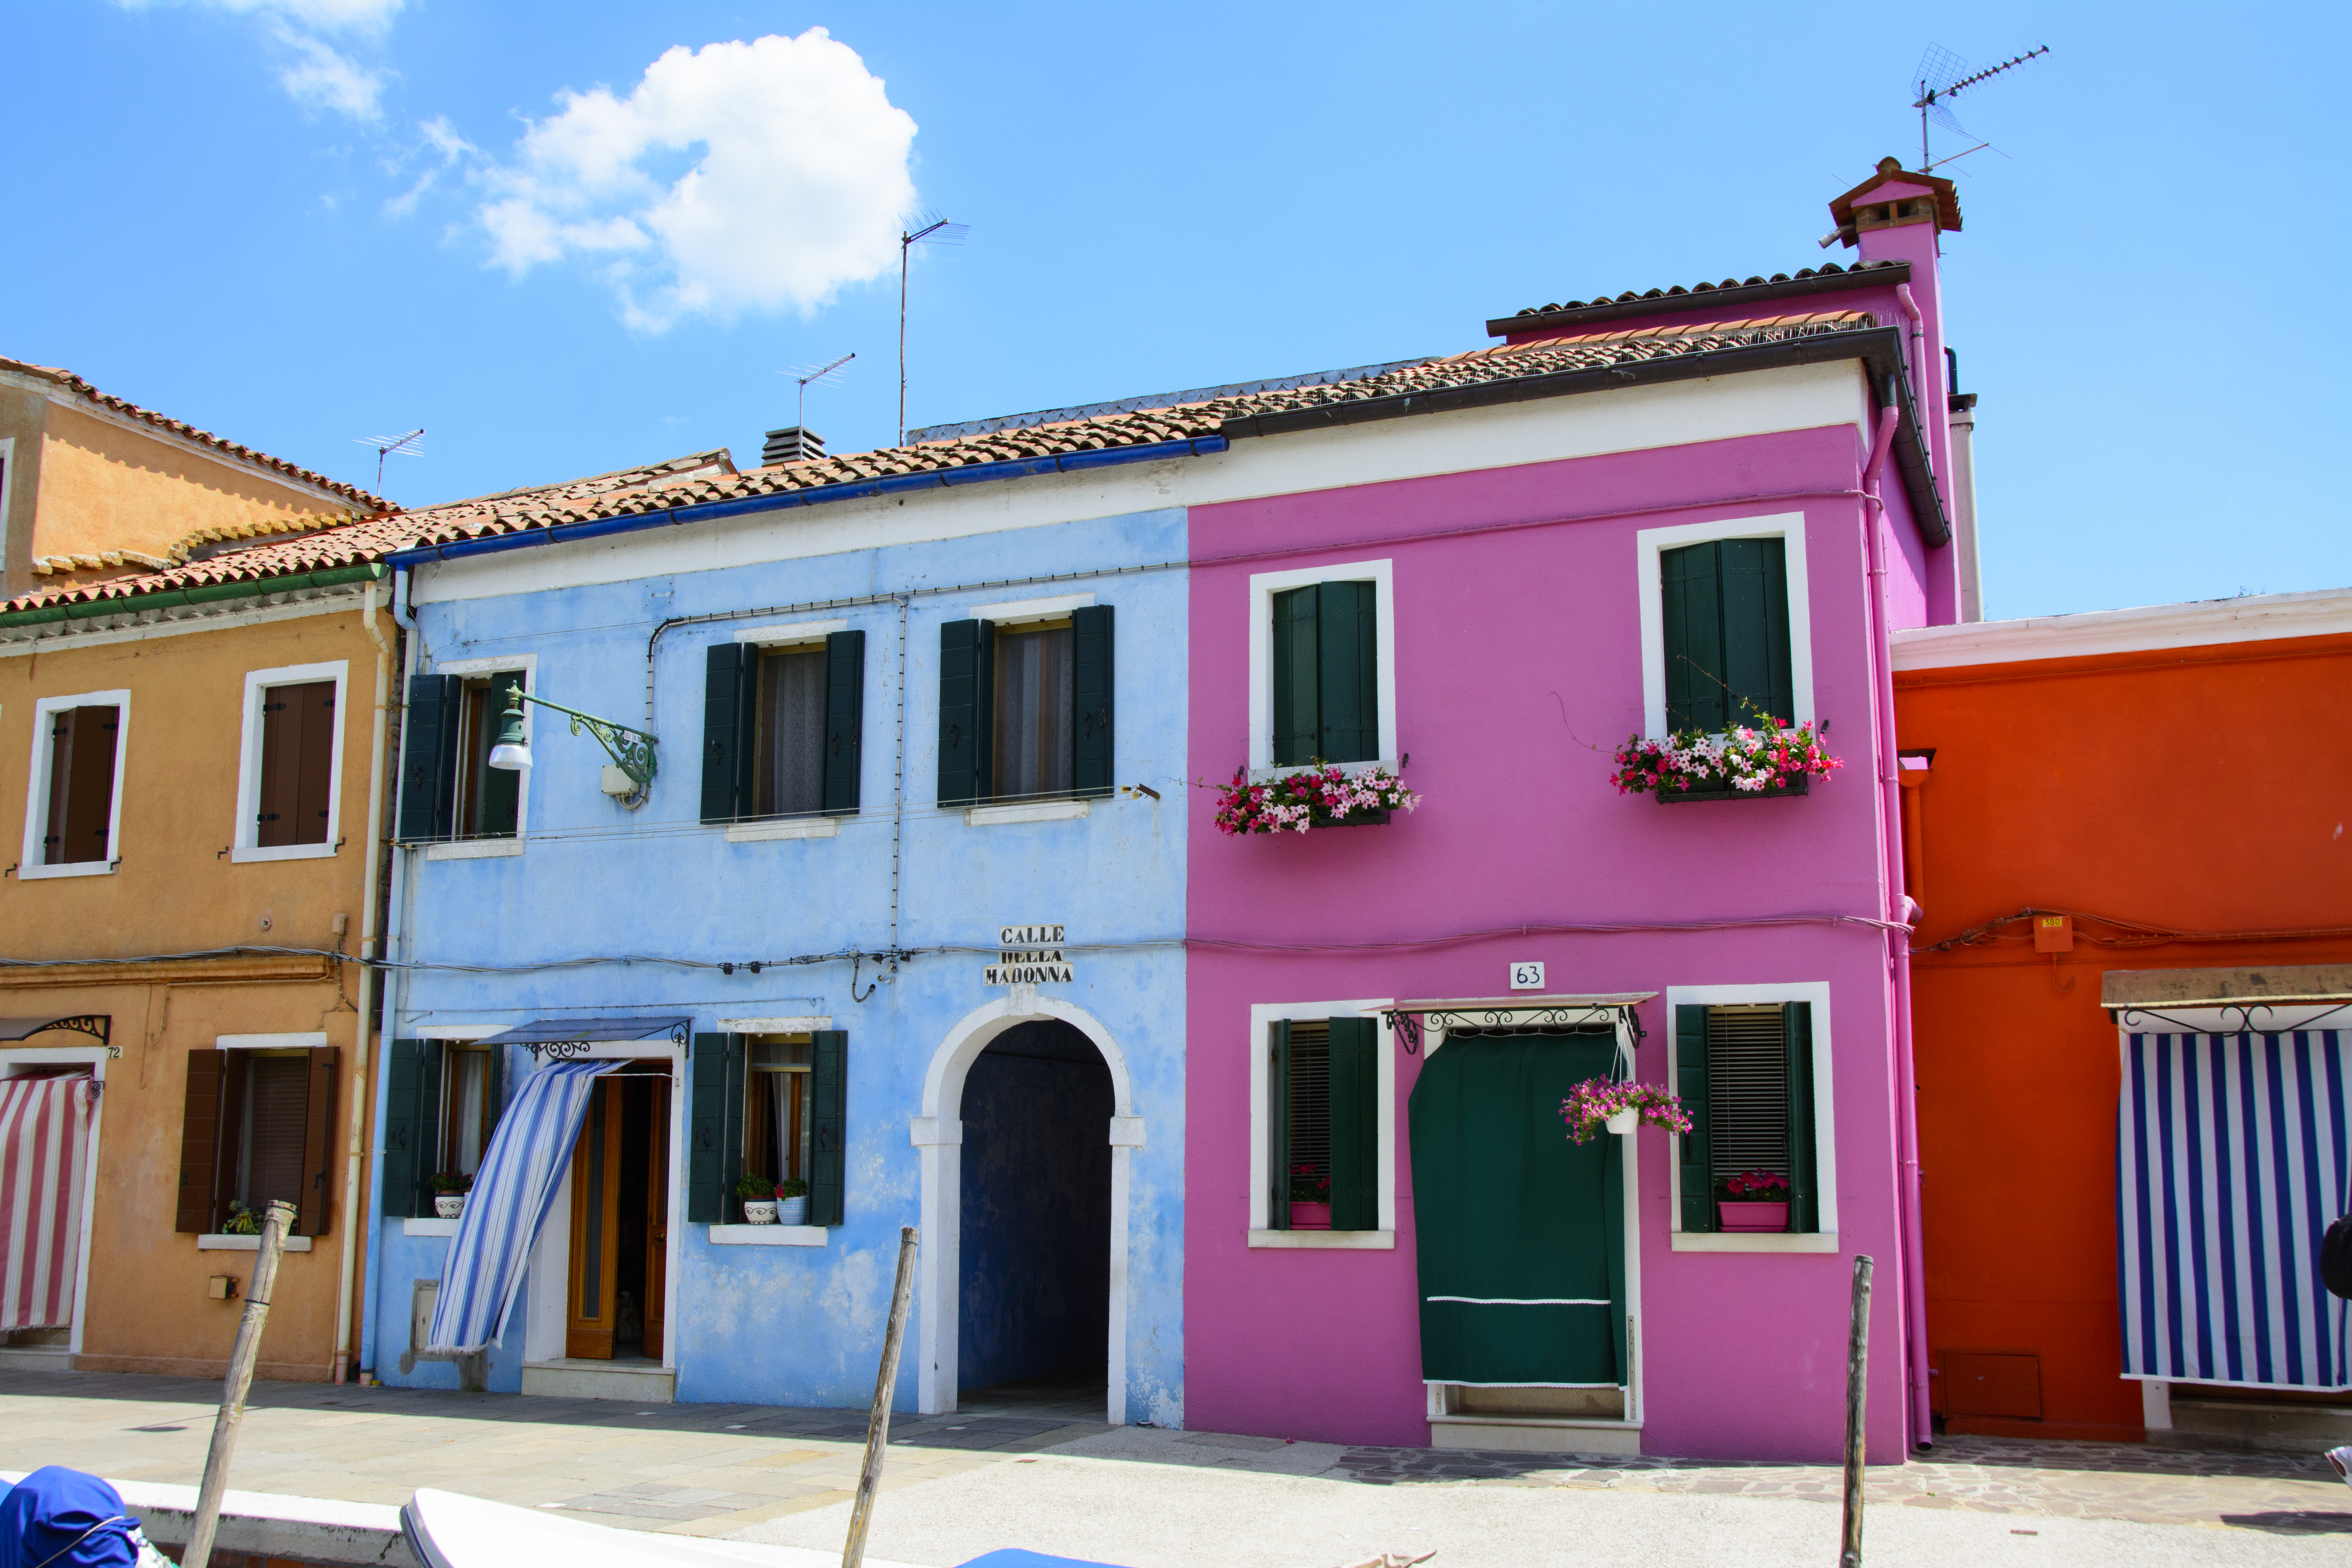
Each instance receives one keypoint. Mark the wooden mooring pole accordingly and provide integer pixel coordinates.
(1857, 1358)
(248, 1349)
(886, 1384)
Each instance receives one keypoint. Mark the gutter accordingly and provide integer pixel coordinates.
(203, 593)
(1878, 348)
(1862, 276)
(816, 495)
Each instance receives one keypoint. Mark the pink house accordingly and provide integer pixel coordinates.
(1676, 511)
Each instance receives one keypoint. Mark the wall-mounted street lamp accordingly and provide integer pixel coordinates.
(629, 775)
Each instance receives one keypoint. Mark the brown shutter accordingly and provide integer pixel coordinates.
(317, 1144)
(297, 747)
(199, 1141)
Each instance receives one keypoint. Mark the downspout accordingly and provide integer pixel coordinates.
(1899, 910)
(392, 934)
(357, 1206)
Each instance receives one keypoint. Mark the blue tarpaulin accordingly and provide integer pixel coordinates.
(57, 1518)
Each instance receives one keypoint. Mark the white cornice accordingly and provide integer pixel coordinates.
(2256, 617)
(50, 637)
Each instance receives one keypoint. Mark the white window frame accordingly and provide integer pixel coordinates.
(1028, 611)
(1824, 1240)
(36, 797)
(527, 666)
(791, 634)
(1263, 1017)
(1263, 587)
(246, 830)
(1649, 542)
(7, 483)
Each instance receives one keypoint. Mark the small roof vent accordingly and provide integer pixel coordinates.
(791, 445)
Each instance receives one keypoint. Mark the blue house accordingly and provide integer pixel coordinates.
(863, 886)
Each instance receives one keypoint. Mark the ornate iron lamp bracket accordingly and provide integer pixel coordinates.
(634, 757)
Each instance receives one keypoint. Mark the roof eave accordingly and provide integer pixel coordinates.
(1879, 348)
(1871, 276)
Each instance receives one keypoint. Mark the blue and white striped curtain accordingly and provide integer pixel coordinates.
(2231, 1160)
(513, 1192)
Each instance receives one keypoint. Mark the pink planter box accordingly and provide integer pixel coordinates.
(1311, 1217)
(1752, 1217)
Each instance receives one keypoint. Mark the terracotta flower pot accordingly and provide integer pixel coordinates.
(1311, 1217)
(759, 1210)
(1752, 1217)
(448, 1206)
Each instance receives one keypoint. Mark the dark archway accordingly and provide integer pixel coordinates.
(1035, 1313)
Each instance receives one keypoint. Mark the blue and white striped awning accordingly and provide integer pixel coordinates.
(2231, 1157)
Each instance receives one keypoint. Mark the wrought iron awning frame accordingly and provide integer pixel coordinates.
(678, 1034)
(99, 1026)
(2127, 1014)
(1534, 1015)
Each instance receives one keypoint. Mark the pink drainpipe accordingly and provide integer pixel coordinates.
(1899, 908)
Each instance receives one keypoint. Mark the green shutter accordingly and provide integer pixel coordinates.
(1804, 1184)
(1278, 1125)
(1298, 722)
(708, 1180)
(828, 1125)
(1692, 620)
(401, 1068)
(428, 1127)
(1092, 758)
(1348, 670)
(1355, 1125)
(1698, 1144)
(428, 758)
(1755, 586)
(844, 721)
(967, 695)
(726, 744)
(494, 1090)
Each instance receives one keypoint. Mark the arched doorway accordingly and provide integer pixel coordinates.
(1035, 1227)
(1043, 1036)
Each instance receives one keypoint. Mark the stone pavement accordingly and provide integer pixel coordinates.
(712, 1471)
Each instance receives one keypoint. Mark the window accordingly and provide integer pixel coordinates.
(447, 788)
(1322, 666)
(767, 1105)
(782, 728)
(258, 1126)
(443, 1102)
(1725, 635)
(289, 764)
(73, 810)
(1746, 1071)
(1323, 1168)
(1025, 705)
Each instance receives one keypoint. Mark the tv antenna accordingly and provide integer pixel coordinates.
(385, 445)
(804, 378)
(1943, 75)
(938, 231)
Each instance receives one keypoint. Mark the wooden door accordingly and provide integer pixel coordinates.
(595, 1227)
(657, 1216)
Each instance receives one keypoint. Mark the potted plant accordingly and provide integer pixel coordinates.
(758, 1198)
(1321, 795)
(449, 1190)
(792, 1201)
(1310, 1198)
(241, 1221)
(1764, 757)
(1752, 1201)
(1613, 1105)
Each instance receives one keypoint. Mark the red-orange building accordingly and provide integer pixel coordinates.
(2129, 833)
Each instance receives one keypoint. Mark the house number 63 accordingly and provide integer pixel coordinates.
(1527, 977)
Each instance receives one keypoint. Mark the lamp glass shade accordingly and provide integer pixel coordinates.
(512, 756)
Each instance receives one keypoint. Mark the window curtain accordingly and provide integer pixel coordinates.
(2231, 1157)
(1033, 713)
(791, 779)
(472, 1085)
(780, 1084)
(44, 1140)
(512, 1194)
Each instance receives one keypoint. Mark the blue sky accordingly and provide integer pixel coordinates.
(298, 222)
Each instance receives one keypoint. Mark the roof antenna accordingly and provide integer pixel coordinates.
(802, 377)
(1941, 77)
(385, 445)
(938, 231)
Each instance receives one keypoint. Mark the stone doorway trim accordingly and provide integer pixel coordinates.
(938, 1134)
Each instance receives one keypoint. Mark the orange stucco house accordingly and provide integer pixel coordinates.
(2131, 834)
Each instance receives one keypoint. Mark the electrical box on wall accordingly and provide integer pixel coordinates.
(220, 1286)
(424, 1294)
(2054, 933)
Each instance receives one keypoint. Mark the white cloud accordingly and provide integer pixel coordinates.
(316, 73)
(323, 78)
(440, 140)
(367, 17)
(797, 186)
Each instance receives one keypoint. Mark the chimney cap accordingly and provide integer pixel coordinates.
(1946, 212)
(791, 445)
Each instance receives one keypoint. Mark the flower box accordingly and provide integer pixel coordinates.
(1311, 1217)
(1768, 757)
(1800, 785)
(1321, 795)
(1751, 1218)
